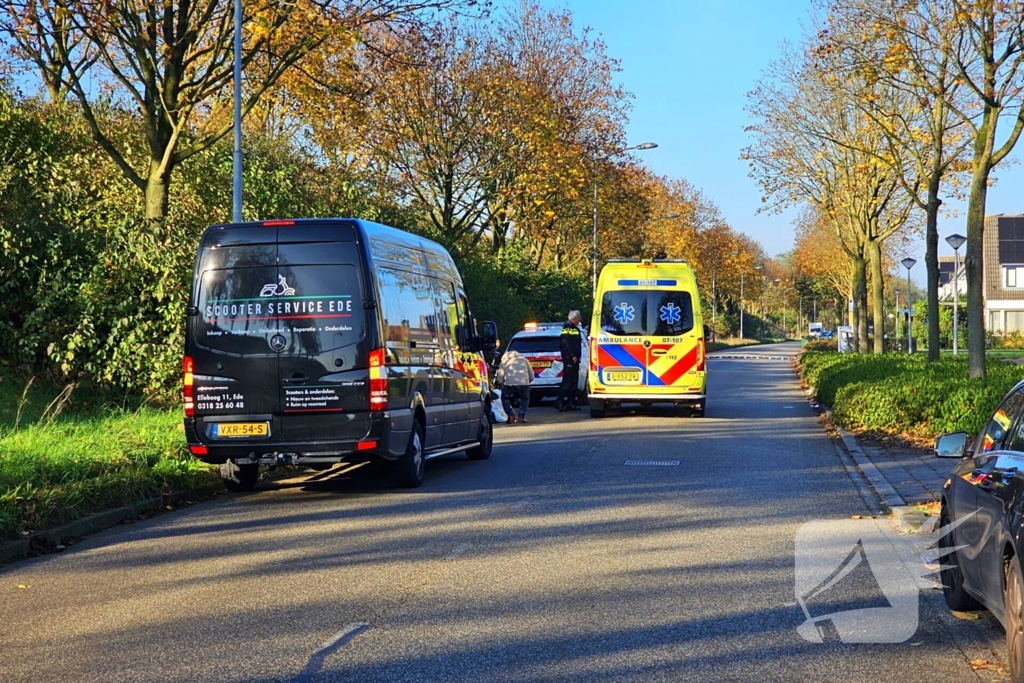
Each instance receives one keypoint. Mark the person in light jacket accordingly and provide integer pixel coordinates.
(516, 375)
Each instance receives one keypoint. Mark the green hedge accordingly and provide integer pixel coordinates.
(905, 395)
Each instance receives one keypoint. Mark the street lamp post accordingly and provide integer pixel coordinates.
(761, 268)
(714, 300)
(897, 320)
(908, 263)
(956, 241)
(735, 252)
(641, 146)
(236, 184)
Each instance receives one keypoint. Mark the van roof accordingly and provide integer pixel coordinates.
(647, 269)
(368, 228)
(386, 244)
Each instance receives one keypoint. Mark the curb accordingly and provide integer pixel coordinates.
(883, 489)
(38, 541)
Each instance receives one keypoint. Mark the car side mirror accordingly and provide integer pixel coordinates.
(951, 445)
(488, 334)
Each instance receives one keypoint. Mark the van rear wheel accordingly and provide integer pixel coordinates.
(239, 478)
(597, 408)
(486, 438)
(408, 470)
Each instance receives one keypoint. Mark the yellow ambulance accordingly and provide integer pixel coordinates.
(647, 337)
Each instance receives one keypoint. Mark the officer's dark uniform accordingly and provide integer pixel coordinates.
(571, 347)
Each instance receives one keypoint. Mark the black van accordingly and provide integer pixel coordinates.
(318, 341)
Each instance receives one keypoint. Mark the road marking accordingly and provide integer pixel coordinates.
(340, 638)
(458, 550)
(652, 463)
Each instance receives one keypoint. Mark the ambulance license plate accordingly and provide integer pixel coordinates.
(622, 377)
(234, 430)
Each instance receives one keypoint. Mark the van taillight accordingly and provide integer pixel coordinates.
(593, 355)
(378, 381)
(700, 355)
(190, 402)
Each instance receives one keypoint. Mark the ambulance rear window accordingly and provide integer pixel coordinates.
(646, 313)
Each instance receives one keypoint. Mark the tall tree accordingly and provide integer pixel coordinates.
(172, 64)
(982, 43)
(925, 140)
(811, 145)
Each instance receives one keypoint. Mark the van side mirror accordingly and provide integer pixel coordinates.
(951, 445)
(488, 334)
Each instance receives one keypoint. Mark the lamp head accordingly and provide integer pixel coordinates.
(908, 262)
(956, 241)
(646, 145)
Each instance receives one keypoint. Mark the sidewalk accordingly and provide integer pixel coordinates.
(902, 475)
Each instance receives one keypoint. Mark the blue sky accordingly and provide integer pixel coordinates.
(689, 65)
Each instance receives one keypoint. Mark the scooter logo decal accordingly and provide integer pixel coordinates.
(671, 314)
(624, 313)
(280, 289)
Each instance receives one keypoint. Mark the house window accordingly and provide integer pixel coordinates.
(995, 322)
(1014, 321)
(1012, 275)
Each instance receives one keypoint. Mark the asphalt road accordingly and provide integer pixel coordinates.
(552, 561)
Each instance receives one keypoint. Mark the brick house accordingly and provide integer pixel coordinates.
(1003, 279)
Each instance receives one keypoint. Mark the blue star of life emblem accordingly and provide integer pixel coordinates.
(671, 314)
(624, 313)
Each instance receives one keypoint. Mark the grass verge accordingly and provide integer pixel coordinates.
(60, 465)
(722, 344)
(905, 396)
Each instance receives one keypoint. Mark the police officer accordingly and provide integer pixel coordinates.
(571, 347)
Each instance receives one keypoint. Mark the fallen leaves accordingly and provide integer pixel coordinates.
(985, 665)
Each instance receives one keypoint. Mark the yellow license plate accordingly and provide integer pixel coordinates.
(622, 376)
(540, 363)
(228, 430)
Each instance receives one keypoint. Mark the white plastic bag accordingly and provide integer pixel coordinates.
(497, 411)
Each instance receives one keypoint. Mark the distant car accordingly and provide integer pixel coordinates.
(983, 500)
(538, 343)
(828, 334)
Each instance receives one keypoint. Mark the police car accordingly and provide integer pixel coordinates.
(538, 343)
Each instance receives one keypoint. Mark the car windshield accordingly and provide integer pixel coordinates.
(534, 345)
(657, 313)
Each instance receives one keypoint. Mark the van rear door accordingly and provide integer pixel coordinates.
(652, 338)
(235, 364)
(324, 350)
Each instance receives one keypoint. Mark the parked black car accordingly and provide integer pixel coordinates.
(317, 341)
(984, 500)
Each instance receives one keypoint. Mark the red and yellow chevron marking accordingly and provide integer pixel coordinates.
(666, 369)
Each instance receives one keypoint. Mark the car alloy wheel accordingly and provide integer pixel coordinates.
(1014, 615)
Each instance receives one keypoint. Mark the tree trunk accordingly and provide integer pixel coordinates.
(157, 197)
(931, 264)
(859, 321)
(973, 268)
(877, 301)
